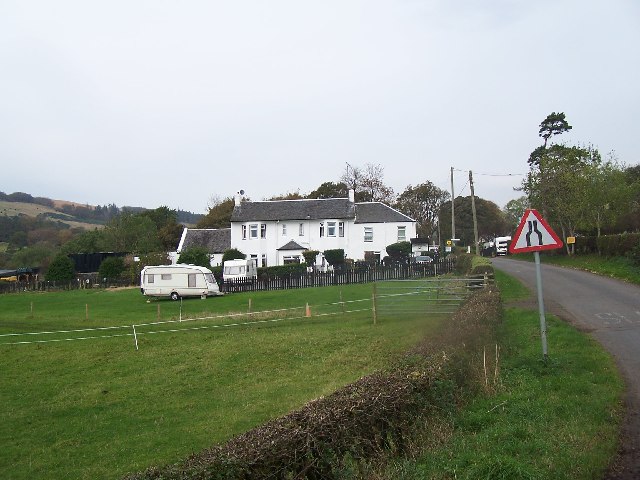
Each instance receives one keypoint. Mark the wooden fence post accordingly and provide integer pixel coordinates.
(374, 306)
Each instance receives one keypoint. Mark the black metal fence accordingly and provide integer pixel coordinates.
(266, 282)
(323, 279)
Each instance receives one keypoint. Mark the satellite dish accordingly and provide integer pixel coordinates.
(241, 192)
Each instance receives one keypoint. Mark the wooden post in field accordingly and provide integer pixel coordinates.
(341, 302)
(374, 304)
(158, 311)
(249, 305)
(31, 309)
(86, 311)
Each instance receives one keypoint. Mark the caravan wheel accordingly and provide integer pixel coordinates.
(175, 296)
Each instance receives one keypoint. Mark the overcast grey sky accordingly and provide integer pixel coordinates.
(150, 103)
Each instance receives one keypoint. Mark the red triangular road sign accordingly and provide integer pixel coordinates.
(534, 234)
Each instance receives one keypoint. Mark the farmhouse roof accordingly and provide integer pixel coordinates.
(214, 240)
(292, 245)
(307, 209)
(376, 212)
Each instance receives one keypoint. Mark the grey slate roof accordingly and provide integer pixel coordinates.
(376, 212)
(214, 240)
(293, 210)
(292, 245)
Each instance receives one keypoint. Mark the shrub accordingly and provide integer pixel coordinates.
(310, 257)
(283, 270)
(61, 269)
(111, 268)
(233, 254)
(399, 252)
(334, 257)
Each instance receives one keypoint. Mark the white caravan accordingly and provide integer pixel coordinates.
(239, 270)
(175, 281)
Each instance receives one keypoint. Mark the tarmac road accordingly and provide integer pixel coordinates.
(610, 311)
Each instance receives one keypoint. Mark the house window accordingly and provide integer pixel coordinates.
(322, 229)
(368, 234)
(341, 229)
(244, 232)
(253, 231)
(331, 229)
(165, 276)
(301, 230)
(284, 229)
(254, 259)
(291, 259)
(402, 234)
(264, 259)
(263, 230)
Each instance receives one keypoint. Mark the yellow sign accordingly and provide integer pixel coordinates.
(571, 240)
(448, 242)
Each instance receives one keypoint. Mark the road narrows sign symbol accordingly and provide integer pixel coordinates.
(534, 234)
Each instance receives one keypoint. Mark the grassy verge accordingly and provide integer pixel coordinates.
(99, 408)
(616, 267)
(558, 420)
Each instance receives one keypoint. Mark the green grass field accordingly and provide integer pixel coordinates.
(99, 408)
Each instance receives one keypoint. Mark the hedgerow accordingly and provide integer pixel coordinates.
(374, 417)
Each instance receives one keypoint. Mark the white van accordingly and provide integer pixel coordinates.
(175, 281)
(239, 270)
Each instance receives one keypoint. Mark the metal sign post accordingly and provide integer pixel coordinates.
(543, 321)
(533, 235)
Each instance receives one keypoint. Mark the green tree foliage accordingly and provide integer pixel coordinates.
(130, 232)
(491, 220)
(288, 196)
(399, 252)
(87, 242)
(310, 257)
(514, 209)
(61, 270)
(330, 190)
(233, 254)
(573, 187)
(34, 256)
(196, 256)
(219, 215)
(554, 124)
(167, 226)
(422, 203)
(111, 268)
(334, 257)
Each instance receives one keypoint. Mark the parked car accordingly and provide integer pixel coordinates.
(422, 259)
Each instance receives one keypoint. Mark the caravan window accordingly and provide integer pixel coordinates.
(165, 276)
(210, 278)
(150, 278)
(192, 279)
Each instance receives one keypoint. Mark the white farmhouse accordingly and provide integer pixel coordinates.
(276, 232)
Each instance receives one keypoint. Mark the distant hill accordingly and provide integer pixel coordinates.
(72, 213)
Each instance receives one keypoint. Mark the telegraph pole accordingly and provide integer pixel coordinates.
(453, 221)
(473, 210)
